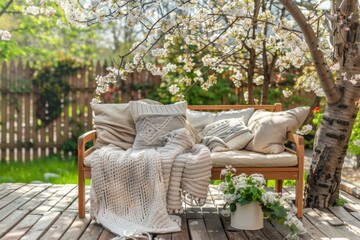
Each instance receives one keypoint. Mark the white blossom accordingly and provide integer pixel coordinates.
(306, 129)
(188, 64)
(246, 96)
(159, 52)
(5, 35)
(335, 67)
(269, 198)
(174, 89)
(287, 93)
(259, 80)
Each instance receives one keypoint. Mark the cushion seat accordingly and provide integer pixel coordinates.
(243, 158)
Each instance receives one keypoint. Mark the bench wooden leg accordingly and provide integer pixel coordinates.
(81, 195)
(278, 186)
(299, 195)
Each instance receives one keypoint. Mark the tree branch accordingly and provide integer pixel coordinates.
(7, 5)
(327, 82)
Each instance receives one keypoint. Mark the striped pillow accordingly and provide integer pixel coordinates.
(232, 131)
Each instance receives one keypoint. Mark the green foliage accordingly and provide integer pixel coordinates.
(354, 142)
(40, 37)
(51, 87)
(220, 93)
(244, 189)
(196, 95)
(10, 49)
(35, 171)
(70, 145)
(340, 202)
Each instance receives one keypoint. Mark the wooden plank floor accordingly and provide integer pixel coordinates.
(45, 211)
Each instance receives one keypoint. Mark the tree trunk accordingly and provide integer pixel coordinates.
(331, 140)
(330, 147)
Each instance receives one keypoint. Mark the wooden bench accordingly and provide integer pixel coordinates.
(270, 173)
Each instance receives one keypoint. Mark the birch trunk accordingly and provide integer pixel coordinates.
(331, 141)
(330, 147)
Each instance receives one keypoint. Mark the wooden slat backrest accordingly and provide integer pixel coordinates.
(216, 108)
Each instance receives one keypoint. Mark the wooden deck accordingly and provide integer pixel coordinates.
(45, 211)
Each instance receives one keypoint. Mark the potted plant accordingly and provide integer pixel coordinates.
(248, 203)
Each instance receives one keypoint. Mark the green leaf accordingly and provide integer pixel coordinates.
(232, 207)
(243, 201)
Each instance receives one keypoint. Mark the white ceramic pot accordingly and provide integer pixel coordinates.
(247, 217)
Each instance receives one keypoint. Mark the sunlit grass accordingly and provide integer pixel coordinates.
(40, 170)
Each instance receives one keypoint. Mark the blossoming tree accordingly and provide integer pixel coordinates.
(226, 36)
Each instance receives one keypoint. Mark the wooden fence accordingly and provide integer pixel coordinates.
(24, 139)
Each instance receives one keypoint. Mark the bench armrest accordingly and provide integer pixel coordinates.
(299, 144)
(82, 141)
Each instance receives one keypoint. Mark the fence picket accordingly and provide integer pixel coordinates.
(19, 110)
(4, 121)
(11, 105)
(28, 108)
(22, 136)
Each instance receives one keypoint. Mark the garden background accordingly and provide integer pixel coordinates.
(47, 81)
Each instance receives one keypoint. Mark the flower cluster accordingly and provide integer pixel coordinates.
(213, 38)
(306, 129)
(34, 10)
(103, 82)
(5, 35)
(243, 189)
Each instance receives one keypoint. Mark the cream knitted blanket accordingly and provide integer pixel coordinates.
(137, 190)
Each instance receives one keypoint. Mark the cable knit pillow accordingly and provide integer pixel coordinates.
(232, 131)
(114, 125)
(154, 122)
(270, 128)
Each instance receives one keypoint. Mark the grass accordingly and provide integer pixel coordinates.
(67, 172)
(40, 170)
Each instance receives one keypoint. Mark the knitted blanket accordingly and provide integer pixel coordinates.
(137, 190)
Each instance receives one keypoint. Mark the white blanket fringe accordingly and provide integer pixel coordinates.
(134, 191)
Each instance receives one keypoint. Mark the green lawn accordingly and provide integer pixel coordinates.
(66, 169)
(40, 170)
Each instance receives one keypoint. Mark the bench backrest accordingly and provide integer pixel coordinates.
(216, 108)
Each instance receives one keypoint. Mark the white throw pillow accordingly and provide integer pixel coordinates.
(232, 131)
(199, 120)
(270, 128)
(245, 114)
(154, 122)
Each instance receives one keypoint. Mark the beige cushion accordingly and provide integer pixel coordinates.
(154, 122)
(199, 120)
(232, 131)
(245, 158)
(270, 128)
(244, 114)
(114, 125)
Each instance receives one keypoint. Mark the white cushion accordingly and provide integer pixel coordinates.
(245, 158)
(243, 114)
(199, 120)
